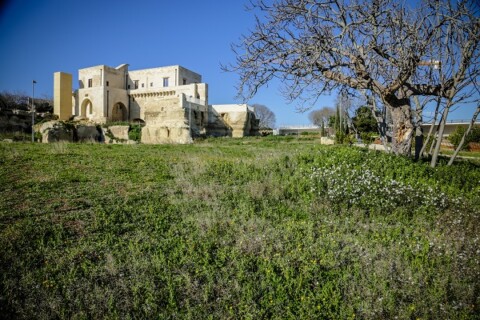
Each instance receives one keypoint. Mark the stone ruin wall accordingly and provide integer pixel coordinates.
(165, 122)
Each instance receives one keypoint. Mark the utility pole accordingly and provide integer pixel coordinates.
(33, 110)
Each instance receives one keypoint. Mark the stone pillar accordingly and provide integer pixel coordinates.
(62, 95)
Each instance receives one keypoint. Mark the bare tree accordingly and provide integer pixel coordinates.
(321, 116)
(381, 46)
(265, 115)
(14, 100)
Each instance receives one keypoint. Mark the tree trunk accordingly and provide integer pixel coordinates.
(381, 124)
(434, 137)
(460, 145)
(418, 128)
(402, 128)
(381, 120)
(441, 129)
(430, 131)
(418, 141)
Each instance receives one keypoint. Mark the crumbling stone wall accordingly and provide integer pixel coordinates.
(237, 120)
(166, 121)
(82, 131)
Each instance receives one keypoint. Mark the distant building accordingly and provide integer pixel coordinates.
(171, 101)
(296, 130)
(450, 126)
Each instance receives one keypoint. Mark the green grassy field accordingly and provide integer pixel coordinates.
(252, 228)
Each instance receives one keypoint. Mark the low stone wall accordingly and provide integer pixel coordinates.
(57, 131)
(178, 134)
(119, 132)
(327, 140)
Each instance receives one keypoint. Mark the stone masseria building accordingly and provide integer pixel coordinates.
(171, 101)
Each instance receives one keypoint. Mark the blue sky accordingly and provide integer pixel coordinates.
(39, 38)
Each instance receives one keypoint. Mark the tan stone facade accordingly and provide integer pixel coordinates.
(171, 101)
(62, 95)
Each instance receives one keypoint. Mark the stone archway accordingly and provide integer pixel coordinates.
(119, 112)
(86, 108)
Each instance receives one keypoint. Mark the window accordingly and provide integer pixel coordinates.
(128, 86)
(136, 84)
(107, 83)
(184, 81)
(151, 84)
(143, 85)
(165, 82)
(90, 82)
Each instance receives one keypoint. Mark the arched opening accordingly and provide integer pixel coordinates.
(119, 112)
(86, 108)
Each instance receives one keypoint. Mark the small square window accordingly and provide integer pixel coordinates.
(165, 82)
(184, 81)
(151, 84)
(143, 85)
(107, 83)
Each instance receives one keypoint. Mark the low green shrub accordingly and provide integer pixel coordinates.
(368, 137)
(457, 135)
(16, 136)
(306, 133)
(344, 138)
(135, 132)
(38, 136)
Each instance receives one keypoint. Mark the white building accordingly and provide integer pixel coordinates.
(171, 101)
